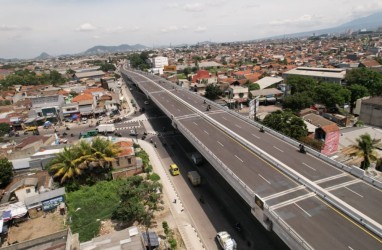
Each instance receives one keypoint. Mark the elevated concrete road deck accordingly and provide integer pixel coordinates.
(320, 225)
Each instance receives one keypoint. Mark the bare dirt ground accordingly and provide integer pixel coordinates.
(34, 228)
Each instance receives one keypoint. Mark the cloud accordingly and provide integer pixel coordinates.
(86, 27)
(169, 29)
(304, 20)
(200, 29)
(135, 28)
(96, 37)
(13, 28)
(172, 5)
(193, 7)
(117, 29)
(366, 9)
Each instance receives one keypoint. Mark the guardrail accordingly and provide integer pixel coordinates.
(325, 195)
(250, 194)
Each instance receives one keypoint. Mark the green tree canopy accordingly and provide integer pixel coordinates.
(301, 84)
(4, 128)
(212, 92)
(331, 94)
(297, 101)
(139, 61)
(105, 67)
(357, 91)
(287, 123)
(84, 162)
(6, 172)
(139, 200)
(368, 78)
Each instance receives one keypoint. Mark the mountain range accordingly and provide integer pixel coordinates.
(113, 49)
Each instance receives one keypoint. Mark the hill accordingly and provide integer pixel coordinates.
(113, 49)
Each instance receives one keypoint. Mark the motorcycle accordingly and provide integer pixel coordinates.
(302, 149)
(262, 130)
(238, 227)
(67, 128)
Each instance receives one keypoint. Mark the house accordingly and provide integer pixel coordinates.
(126, 163)
(86, 103)
(44, 201)
(267, 95)
(48, 106)
(326, 131)
(267, 82)
(238, 94)
(371, 111)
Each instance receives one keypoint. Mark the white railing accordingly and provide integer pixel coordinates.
(330, 198)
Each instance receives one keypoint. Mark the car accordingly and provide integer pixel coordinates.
(174, 170)
(84, 119)
(225, 241)
(133, 132)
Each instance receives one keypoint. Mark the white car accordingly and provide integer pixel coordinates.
(225, 241)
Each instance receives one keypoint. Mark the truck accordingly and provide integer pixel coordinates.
(226, 241)
(108, 128)
(194, 177)
(197, 158)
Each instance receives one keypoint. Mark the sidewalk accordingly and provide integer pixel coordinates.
(182, 219)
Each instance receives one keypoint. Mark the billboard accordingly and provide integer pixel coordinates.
(169, 68)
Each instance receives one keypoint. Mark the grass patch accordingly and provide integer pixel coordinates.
(88, 206)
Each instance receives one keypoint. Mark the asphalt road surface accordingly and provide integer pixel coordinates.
(321, 225)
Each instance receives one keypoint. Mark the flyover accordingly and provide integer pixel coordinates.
(309, 203)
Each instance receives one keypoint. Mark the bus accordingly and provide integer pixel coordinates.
(88, 134)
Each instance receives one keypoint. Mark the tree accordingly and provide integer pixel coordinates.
(287, 123)
(366, 149)
(297, 101)
(4, 128)
(63, 167)
(6, 172)
(301, 84)
(357, 91)
(331, 94)
(107, 67)
(139, 200)
(212, 92)
(368, 78)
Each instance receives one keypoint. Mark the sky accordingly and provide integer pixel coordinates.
(30, 27)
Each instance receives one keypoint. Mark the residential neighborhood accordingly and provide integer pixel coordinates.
(323, 91)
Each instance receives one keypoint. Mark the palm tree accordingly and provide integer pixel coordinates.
(64, 166)
(366, 149)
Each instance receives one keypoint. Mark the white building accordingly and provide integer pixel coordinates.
(159, 62)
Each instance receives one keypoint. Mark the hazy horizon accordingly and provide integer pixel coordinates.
(28, 28)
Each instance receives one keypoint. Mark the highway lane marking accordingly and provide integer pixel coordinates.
(291, 201)
(220, 143)
(351, 221)
(303, 210)
(224, 118)
(238, 158)
(278, 149)
(237, 126)
(258, 137)
(350, 248)
(179, 110)
(206, 132)
(331, 178)
(354, 192)
(343, 184)
(262, 177)
(309, 166)
(195, 123)
(291, 190)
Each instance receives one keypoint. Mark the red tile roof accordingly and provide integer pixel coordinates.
(82, 97)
